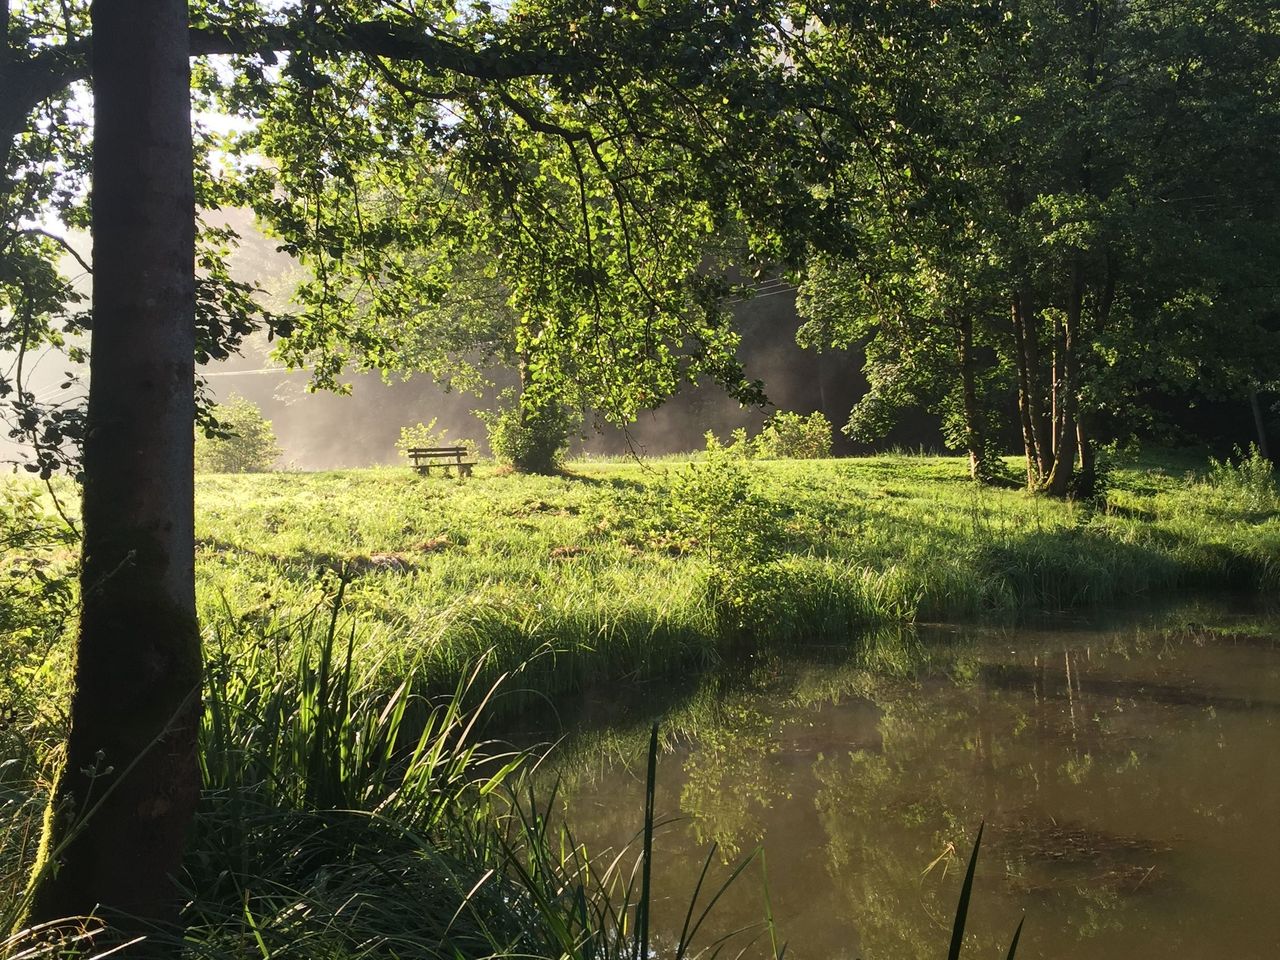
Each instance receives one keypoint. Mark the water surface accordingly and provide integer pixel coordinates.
(1128, 776)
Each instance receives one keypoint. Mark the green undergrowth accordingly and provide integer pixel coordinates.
(344, 818)
(616, 570)
(356, 623)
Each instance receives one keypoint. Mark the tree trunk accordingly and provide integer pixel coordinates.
(1066, 390)
(1056, 387)
(1087, 479)
(1030, 390)
(1042, 428)
(1024, 390)
(1260, 424)
(973, 439)
(125, 799)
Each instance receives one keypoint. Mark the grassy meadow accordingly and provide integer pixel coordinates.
(600, 572)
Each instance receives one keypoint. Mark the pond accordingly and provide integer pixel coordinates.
(1128, 777)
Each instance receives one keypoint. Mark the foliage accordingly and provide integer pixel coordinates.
(37, 601)
(793, 436)
(530, 436)
(785, 436)
(1249, 480)
(999, 177)
(238, 439)
(336, 786)
(426, 435)
(713, 506)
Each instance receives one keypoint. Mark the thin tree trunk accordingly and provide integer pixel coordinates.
(1042, 426)
(1259, 423)
(1055, 401)
(131, 758)
(973, 439)
(1087, 480)
(1066, 391)
(1024, 398)
(1028, 348)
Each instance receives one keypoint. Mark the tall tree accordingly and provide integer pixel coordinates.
(633, 92)
(129, 786)
(1114, 164)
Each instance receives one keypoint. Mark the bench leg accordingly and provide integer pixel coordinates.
(464, 469)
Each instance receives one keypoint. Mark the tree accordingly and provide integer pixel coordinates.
(128, 788)
(635, 91)
(242, 442)
(1104, 170)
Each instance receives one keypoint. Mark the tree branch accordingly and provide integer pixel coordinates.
(29, 81)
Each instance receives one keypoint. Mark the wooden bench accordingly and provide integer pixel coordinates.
(446, 458)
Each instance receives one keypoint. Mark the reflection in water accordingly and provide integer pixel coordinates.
(1127, 778)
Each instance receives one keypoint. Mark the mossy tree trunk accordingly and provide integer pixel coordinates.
(131, 759)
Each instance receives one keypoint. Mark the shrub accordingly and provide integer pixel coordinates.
(785, 436)
(530, 440)
(238, 439)
(426, 435)
(713, 508)
(1249, 481)
(791, 436)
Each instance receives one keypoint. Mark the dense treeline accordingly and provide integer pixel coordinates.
(1077, 201)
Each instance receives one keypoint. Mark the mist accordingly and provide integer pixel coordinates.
(325, 431)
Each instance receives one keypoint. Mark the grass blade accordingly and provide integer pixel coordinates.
(646, 893)
(1017, 935)
(962, 908)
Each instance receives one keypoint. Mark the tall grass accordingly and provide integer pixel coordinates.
(346, 818)
(348, 815)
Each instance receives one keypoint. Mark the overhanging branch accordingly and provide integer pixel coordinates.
(29, 81)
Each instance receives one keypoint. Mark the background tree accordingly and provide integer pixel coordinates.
(1102, 158)
(241, 442)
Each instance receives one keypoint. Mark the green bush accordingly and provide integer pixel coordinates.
(1249, 481)
(712, 506)
(792, 436)
(530, 440)
(238, 440)
(785, 436)
(426, 435)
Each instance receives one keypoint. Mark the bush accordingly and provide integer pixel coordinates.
(426, 435)
(238, 439)
(791, 436)
(530, 440)
(785, 436)
(1249, 481)
(713, 508)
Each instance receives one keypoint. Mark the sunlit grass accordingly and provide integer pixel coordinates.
(579, 564)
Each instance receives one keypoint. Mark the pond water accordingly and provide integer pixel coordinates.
(1128, 777)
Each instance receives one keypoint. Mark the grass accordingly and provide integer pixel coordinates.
(343, 819)
(592, 576)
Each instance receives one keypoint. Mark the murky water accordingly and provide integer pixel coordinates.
(1129, 779)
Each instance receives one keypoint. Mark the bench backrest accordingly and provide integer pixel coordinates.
(417, 453)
